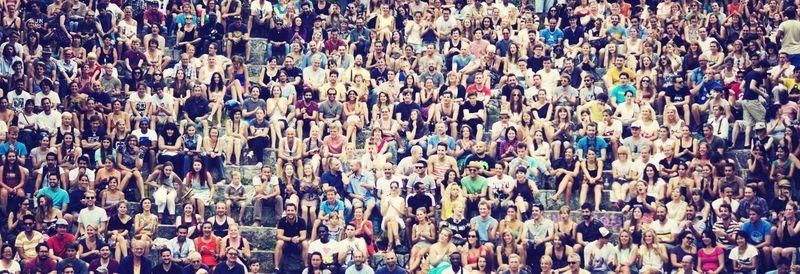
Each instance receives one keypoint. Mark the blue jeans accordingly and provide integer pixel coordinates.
(216, 166)
(286, 50)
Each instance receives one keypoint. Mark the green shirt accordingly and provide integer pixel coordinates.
(474, 186)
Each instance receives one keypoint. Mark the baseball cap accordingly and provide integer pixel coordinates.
(604, 232)
(62, 222)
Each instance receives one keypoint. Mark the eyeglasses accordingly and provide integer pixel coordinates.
(473, 236)
(90, 197)
(418, 167)
(572, 263)
(28, 223)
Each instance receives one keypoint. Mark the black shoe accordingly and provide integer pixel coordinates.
(401, 249)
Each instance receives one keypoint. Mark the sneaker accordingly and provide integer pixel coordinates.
(259, 165)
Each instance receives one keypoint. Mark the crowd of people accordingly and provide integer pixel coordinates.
(446, 136)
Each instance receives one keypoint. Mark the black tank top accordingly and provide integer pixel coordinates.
(220, 230)
(105, 57)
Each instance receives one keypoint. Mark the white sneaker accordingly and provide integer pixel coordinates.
(259, 165)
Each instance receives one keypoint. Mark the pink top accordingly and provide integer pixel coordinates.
(710, 261)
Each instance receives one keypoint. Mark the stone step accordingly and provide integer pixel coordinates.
(263, 238)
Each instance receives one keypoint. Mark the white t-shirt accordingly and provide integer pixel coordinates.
(48, 122)
(168, 102)
(92, 216)
(17, 102)
(746, 258)
(718, 202)
(664, 231)
(498, 185)
(73, 174)
(384, 185)
(53, 96)
(24, 120)
(13, 268)
(327, 250)
(140, 103)
(602, 256)
(260, 10)
(143, 138)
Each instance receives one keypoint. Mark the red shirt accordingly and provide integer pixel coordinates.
(59, 246)
(333, 44)
(309, 109)
(484, 89)
(35, 266)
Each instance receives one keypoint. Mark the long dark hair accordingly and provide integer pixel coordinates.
(310, 269)
(202, 173)
(655, 175)
(106, 152)
(218, 85)
(447, 176)
(9, 167)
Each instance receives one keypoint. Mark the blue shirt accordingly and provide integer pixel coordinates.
(60, 197)
(356, 181)
(462, 61)
(436, 139)
(598, 143)
(180, 251)
(385, 270)
(617, 32)
(503, 45)
(483, 227)
(756, 233)
(618, 92)
(223, 268)
(704, 93)
(528, 161)
(551, 37)
(19, 148)
(326, 208)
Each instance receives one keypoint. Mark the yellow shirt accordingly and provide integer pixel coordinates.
(341, 91)
(596, 111)
(29, 245)
(790, 84)
(614, 74)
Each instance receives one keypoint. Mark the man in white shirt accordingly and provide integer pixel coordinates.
(326, 246)
(383, 184)
(314, 76)
(46, 93)
(83, 168)
(49, 119)
(444, 24)
(162, 106)
(727, 198)
(92, 215)
(599, 256)
(664, 228)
